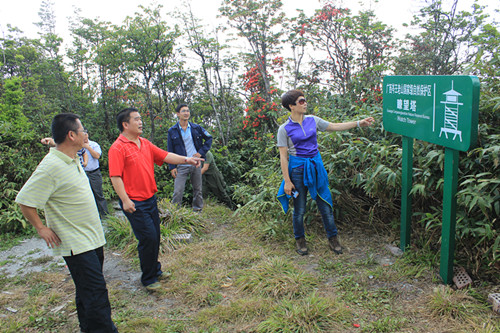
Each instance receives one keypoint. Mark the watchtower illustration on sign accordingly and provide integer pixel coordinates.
(451, 105)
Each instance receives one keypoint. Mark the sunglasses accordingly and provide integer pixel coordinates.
(301, 101)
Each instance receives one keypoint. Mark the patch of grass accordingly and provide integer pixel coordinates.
(369, 260)
(416, 263)
(355, 290)
(33, 251)
(35, 313)
(488, 327)
(333, 267)
(217, 213)
(148, 324)
(54, 298)
(178, 220)
(386, 325)
(129, 317)
(39, 288)
(244, 311)
(308, 315)
(8, 240)
(206, 256)
(244, 261)
(447, 303)
(120, 234)
(277, 278)
(56, 265)
(11, 325)
(207, 266)
(213, 298)
(22, 280)
(5, 262)
(42, 260)
(204, 292)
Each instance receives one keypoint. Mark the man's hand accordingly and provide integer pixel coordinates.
(173, 172)
(48, 142)
(196, 161)
(205, 167)
(129, 206)
(49, 236)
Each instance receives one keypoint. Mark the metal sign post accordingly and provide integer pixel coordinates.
(442, 110)
(449, 214)
(406, 177)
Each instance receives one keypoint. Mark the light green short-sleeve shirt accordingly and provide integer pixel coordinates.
(61, 188)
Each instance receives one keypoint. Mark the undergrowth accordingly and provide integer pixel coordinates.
(231, 279)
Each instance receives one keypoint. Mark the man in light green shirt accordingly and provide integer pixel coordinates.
(213, 181)
(73, 229)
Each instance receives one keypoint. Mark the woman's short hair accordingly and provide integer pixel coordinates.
(290, 97)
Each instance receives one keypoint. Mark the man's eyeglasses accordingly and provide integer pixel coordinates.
(184, 111)
(83, 131)
(301, 101)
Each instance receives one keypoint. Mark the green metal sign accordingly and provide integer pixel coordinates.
(437, 109)
(441, 110)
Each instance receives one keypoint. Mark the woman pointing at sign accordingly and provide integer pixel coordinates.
(303, 169)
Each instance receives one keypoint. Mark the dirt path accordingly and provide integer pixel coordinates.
(33, 255)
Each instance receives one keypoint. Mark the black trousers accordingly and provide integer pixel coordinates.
(92, 302)
(145, 222)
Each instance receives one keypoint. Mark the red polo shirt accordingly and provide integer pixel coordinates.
(135, 166)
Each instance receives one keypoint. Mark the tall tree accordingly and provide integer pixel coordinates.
(259, 22)
(295, 29)
(148, 43)
(98, 68)
(212, 64)
(55, 79)
(445, 43)
(329, 30)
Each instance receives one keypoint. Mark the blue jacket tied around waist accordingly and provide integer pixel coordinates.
(315, 179)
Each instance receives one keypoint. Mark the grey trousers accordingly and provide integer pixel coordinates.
(183, 172)
(95, 180)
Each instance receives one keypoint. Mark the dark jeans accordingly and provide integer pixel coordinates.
(145, 222)
(92, 302)
(299, 207)
(95, 180)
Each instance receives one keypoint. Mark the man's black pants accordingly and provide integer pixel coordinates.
(92, 302)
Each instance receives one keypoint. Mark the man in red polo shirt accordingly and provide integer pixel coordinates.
(131, 168)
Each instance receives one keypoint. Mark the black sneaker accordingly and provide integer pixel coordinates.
(301, 246)
(335, 245)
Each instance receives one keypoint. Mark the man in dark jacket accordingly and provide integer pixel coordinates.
(191, 140)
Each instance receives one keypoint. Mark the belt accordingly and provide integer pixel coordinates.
(92, 171)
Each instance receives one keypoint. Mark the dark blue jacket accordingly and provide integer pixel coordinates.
(201, 138)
